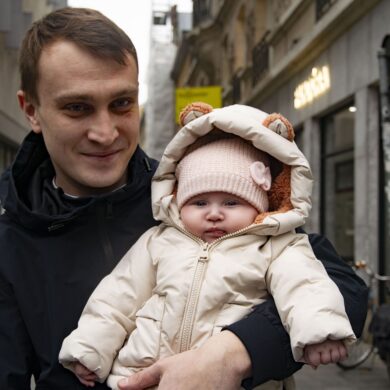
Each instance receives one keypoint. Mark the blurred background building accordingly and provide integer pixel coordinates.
(314, 61)
(166, 31)
(15, 17)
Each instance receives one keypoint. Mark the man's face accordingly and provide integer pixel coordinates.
(89, 116)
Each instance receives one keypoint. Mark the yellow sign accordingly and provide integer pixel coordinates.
(211, 95)
(317, 83)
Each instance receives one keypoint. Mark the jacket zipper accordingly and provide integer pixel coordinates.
(103, 214)
(193, 296)
(192, 301)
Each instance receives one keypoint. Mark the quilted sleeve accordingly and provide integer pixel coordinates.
(309, 303)
(109, 315)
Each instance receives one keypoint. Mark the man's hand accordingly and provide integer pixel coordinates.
(85, 376)
(329, 351)
(221, 363)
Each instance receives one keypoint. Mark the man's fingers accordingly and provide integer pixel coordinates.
(142, 380)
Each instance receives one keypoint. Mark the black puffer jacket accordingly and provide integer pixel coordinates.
(53, 252)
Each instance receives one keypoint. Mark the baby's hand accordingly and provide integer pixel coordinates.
(329, 351)
(85, 376)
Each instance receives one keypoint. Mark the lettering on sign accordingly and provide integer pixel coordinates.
(317, 83)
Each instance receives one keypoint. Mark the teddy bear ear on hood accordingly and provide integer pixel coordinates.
(279, 195)
(280, 125)
(194, 110)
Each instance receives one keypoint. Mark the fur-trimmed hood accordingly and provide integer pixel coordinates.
(290, 193)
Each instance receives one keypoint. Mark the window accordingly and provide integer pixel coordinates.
(160, 18)
(337, 180)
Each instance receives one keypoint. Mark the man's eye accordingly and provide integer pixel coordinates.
(123, 103)
(77, 107)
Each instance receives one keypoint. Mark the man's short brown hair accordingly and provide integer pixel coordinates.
(87, 28)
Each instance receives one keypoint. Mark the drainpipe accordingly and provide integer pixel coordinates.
(384, 88)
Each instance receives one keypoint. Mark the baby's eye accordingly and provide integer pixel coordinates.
(231, 202)
(200, 203)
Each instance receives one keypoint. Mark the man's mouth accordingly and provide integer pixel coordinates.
(102, 155)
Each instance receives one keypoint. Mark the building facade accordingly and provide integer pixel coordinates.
(316, 62)
(168, 25)
(15, 17)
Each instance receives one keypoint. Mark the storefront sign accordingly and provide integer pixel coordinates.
(211, 95)
(317, 83)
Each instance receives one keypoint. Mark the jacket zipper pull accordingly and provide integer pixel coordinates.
(205, 254)
(147, 164)
(55, 226)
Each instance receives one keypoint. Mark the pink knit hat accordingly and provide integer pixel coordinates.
(227, 164)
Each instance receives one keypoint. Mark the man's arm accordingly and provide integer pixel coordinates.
(16, 353)
(263, 335)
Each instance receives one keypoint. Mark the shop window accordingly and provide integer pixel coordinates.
(337, 181)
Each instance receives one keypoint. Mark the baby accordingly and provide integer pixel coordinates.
(226, 242)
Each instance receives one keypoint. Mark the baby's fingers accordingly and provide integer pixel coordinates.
(85, 382)
(326, 355)
(312, 358)
(81, 370)
(85, 376)
(339, 353)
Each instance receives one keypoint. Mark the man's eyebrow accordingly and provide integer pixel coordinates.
(72, 96)
(86, 97)
(126, 92)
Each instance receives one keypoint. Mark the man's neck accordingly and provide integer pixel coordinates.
(54, 183)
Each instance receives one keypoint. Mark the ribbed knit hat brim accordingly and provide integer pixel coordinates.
(221, 165)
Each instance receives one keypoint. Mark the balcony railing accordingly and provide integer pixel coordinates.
(322, 7)
(201, 11)
(260, 60)
(236, 90)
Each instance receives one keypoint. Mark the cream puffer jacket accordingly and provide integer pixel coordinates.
(172, 291)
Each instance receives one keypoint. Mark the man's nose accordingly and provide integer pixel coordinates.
(103, 129)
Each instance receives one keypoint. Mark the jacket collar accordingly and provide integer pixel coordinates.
(28, 196)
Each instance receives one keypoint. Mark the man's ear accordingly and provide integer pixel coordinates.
(30, 111)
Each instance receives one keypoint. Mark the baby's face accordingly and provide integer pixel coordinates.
(214, 214)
